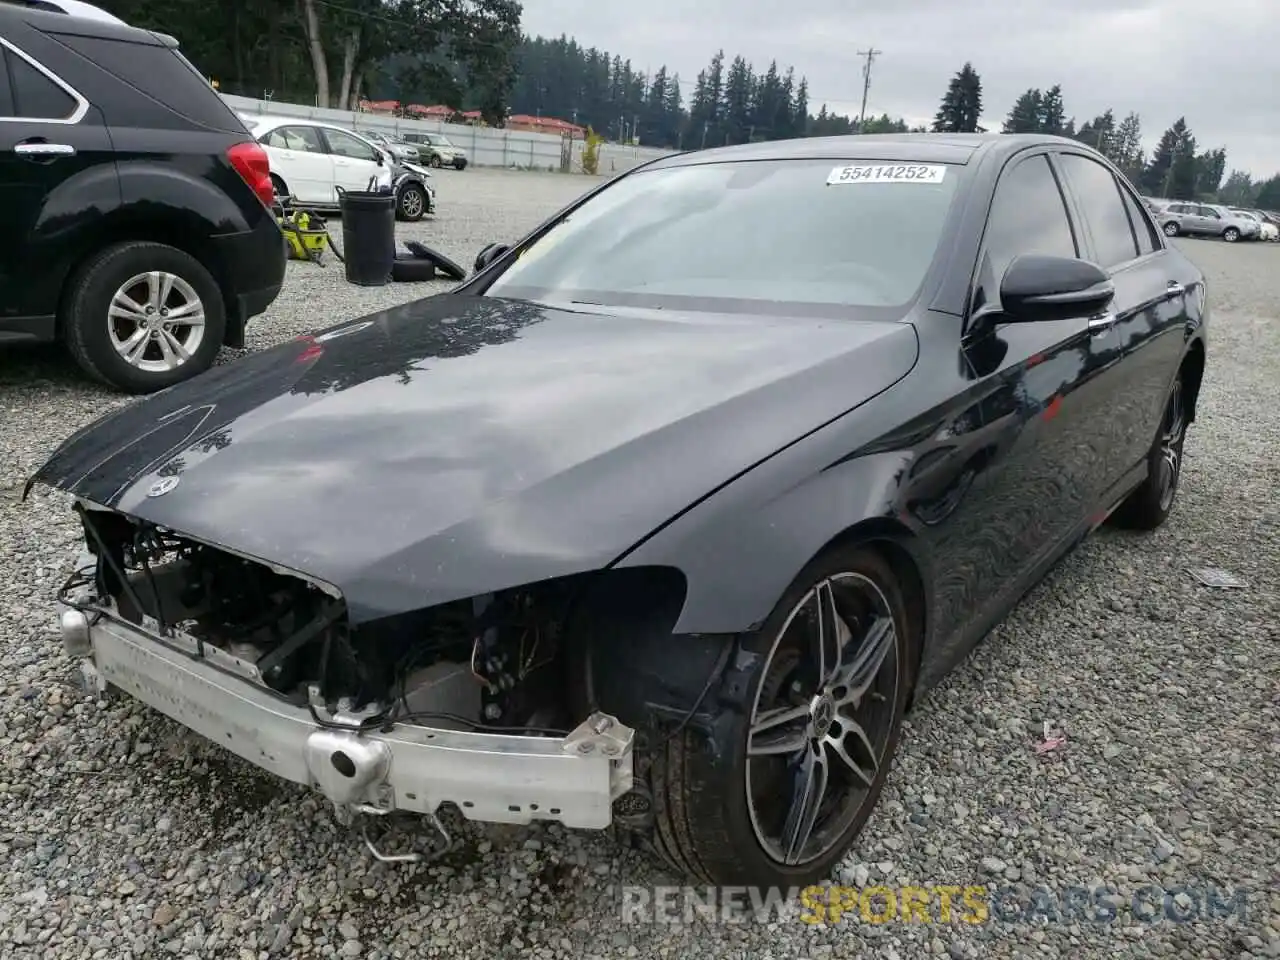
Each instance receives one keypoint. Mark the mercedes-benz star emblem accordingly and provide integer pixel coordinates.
(162, 486)
(824, 715)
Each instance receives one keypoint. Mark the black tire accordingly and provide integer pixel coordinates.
(411, 203)
(1150, 504)
(412, 269)
(451, 270)
(1231, 234)
(278, 185)
(436, 161)
(704, 825)
(1171, 229)
(87, 326)
(459, 164)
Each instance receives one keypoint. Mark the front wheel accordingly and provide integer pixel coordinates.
(143, 316)
(1231, 234)
(1171, 229)
(786, 785)
(411, 202)
(459, 164)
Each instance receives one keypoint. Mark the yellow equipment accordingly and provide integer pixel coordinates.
(306, 234)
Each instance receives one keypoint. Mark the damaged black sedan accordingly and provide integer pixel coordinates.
(664, 517)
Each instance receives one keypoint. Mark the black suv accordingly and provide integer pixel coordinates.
(137, 216)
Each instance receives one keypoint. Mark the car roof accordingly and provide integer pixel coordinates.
(264, 123)
(80, 20)
(956, 148)
(71, 8)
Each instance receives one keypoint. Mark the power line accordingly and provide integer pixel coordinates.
(869, 55)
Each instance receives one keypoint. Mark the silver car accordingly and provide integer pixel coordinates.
(1183, 218)
(397, 148)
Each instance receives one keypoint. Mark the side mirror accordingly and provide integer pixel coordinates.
(489, 254)
(1036, 288)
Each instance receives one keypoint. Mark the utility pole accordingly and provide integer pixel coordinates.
(869, 55)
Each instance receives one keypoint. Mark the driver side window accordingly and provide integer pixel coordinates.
(1028, 215)
(345, 145)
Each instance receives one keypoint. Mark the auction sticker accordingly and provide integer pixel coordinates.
(889, 173)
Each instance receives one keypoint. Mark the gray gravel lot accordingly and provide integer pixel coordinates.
(126, 838)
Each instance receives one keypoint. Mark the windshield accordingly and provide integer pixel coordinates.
(441, 141)
(745, 236)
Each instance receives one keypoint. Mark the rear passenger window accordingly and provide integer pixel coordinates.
(1028, 215)
(35, 96)
(162, 74)
(1099, 196)
(1143, 228)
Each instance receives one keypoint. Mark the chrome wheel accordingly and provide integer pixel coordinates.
(1170, 229)
(822, 718)
(1231, 235)
(1172, 433)
(156, 321)
(411, 202)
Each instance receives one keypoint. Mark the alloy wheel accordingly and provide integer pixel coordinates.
(1170, 229)
(822, 719)
(411, 202)
(1231, 235)
(156, 321)
(1172, 433)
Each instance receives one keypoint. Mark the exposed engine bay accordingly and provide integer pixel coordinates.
(489, 663)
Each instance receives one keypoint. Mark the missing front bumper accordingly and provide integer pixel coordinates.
(489, 777)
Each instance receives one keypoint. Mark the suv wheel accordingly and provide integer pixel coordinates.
(1171, 228)
(143, 316)
(436, 162)
(1231, 234)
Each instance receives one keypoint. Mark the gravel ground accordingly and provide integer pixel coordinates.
(127, 838)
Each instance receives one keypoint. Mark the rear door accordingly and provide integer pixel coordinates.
(355, 162)
(57, 172)
(1138, 356)
(301, 159)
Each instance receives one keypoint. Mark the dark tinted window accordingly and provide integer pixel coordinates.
(740, 236)
(1099, 197)
(161, 74)
(1148, 236)
(6, 97)
(34, 95)
(1028, 215)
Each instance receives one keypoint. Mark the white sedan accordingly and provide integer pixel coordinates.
(311, 160)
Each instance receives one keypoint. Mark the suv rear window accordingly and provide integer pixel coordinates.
(34, 95)
(162, 74)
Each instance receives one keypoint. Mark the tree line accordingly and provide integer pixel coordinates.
(1177, 169)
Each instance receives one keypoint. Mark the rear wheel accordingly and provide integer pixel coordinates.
(1150, 504)
(782, 792)
(279, 187)
(143, 316)
(435, 161)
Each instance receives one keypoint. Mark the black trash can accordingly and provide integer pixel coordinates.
(368, 236)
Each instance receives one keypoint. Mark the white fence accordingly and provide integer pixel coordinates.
(485, 146)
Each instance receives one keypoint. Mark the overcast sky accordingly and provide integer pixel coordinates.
(1216, 62)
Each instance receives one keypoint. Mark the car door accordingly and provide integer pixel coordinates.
(1032, 493)
(1137, 356)
(1210, 220)
(355, 162)
(300, 158)
(54, 149)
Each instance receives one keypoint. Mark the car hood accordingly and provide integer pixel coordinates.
(459, 445)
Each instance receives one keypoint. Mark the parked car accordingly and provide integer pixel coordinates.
(1207, 219)
(1266, 229)
(665, 532)
(311, 160)
(438, 150)
(138, 229)
(398, 148)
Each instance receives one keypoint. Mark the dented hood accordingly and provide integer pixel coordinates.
(458, 445)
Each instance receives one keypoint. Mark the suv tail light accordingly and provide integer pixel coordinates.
(251, 162)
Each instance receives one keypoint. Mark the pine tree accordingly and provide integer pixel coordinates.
(1269, 195)
(1127, 153)
(962, 103)
(1156, 176)
(1239, 190)
(1182, 173)
(1100, 133)
(736, 104)
(800, 109)
(1210, 168)
(1025, 115)
(1052, 112)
